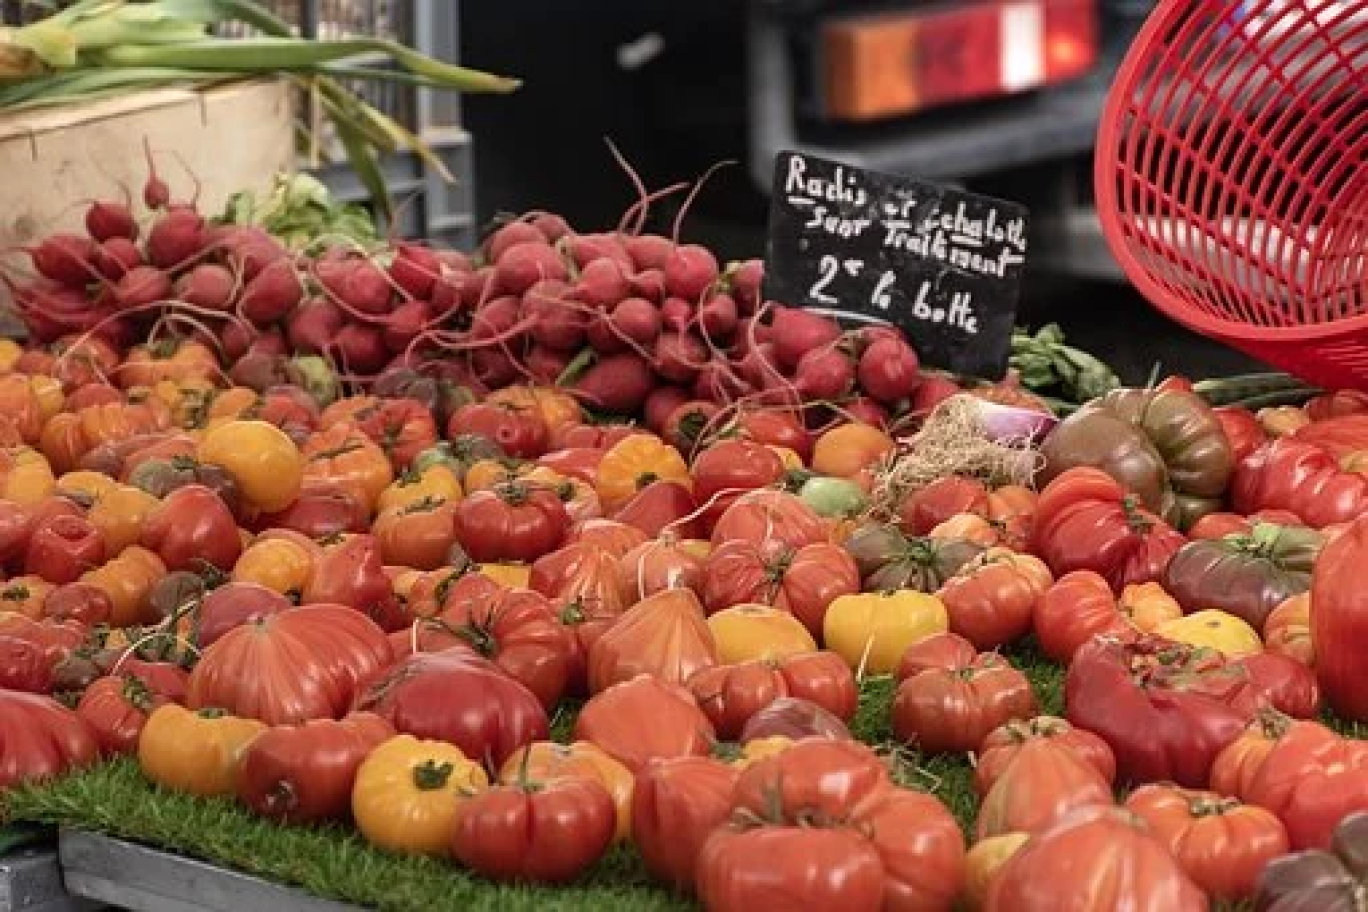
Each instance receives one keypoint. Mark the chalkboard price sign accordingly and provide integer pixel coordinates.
(941, 264)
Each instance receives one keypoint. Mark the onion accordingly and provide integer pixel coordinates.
(1011, 423)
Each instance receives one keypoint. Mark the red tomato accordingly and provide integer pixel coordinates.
(62, 548)
(777, 427)
(676, 804)
(940, 650)
(25, 665)
(933, 504)
(991, 599)
(518, 431)
(665, 636)
(819, 778)
(353, 574)
(945, 710)
(1339, 621)
(418, 535)
(770, 515)
(728, 469)
(660, 506)
(116, 708)
(789, 869)
(732, 694)
(612, 720)
(1290, 474)
(40, 738)
(803, 580)
(403, 428)
(1312, 779)
(84, 603)
(543, 832)
(1003, 744)
(511, 522)
(191, 527)
(324, 507)
(1242, 429)
(1044, 782)
(920, 845)
(581, 571)
(233, 605)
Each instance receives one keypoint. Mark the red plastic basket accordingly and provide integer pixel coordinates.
(1231, 180)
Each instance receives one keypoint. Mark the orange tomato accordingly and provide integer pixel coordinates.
(437, 481)
(279, 564)
(848, 449)
(634, 462)
(968, 527)
(345, 455)
(119, 512)
(26, 476)
(1147, 606)
(10, 352)
(51, 396)
(128, 580)
(25, 595)
(514, 576)
(85, 483)
(234, 402)
(1287, 630)
(485, 474)
(547, 761)
(21, 411)
(579, 497)
(261, 458)
(557, 409)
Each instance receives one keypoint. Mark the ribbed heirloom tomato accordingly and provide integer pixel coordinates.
(405, 794)
(513, 521)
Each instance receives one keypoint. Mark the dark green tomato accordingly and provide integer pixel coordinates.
(1166, 446)
(1316, 880)
(890, 560)
(1245, 575)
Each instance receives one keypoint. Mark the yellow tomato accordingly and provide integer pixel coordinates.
(119, 512)
(405, 794)
(89, 484)
(1214, 629)
(437, 481)
(279, 564)
(128, 580)
(260, 457)
(515, 576)
(26, 475)
(758, 632)
(872, 630)
(9, 353)
(198, 753)
(49, 393)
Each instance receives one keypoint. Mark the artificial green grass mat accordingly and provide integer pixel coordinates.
(336, 863)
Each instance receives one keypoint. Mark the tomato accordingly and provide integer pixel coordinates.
(519, 432)
(402, 427)
(559, 410)
(1287, 630)
(920, 845)
(353, 574)
(406, 793)
(1081, 605)
(547, 831)
(676, 804)
(307, 663)
(41, 739)
(770, 515)
(581, 571)
(25, 595)
(848, 449)
(436, 482)
(1242, 429)
(1312, 779)
(462, 698)
(305, 773)
(127, 581)
(662, 506)
(1339, 623)
(265, 463)
(1003, 744)
(1127, 869)
(748, 632)
(1305, 479)
(982, 863)
(611, 719)
(729, 468)
(1318, 881)
(84, 603)
(659, 564)
(119, 513)
(325, 507)
(949, 651)
(345, 455)
(732, 695)
(1043, 782)
(804, 580)
(613, 536)
(547, 760)
(1088, 521)
(888, 559)
(419, 535)
(515, 629)
(513, 521)
(1246, 575)
(198, 752)
(234, 605)
(929, 506)
(1222, 844)
(871, 631)
(789, 869)
(665, 636)
(991, 599)
(952, 710)
(192, 527)
(1225, 633)
(62, 548)
(813, 779)
(1239, 762)
(583, 623)
(26, 477)
(24, 666)
(776, 427)
(279, 564)
(1166, 446)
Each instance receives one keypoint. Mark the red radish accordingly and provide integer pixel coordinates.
(649, 284)
(649, 251)
(797, 332)
(272, 294)
(547, 364)
(616, 383)
(868, 335)
(106, 220)
(116, 256)
(758, 366)
(559, 324)
(718, 316)
(207, 285)
(715, 383)
(142, 286)
(510, 235)
(824, 374)
(176, 238)
(498, 316)
(248, 249)
(493, 367)
(888, 370)
(455, 260)
(479, 287)
(690, 270)
(414, 269)
(752, 331)
(237, 337)
(524, 265)
(355, 284)
(360, 348)
(552, 226)
(585, 248)
(272, 341)
(313, 325)
(447, 289)
(632, 320)
(258, 370)
(70, 259)
(603, 283)
(662, 403)
(676, 314)
(679, 357)
(866, 411)
(156, 194)
(406, 322)
(746, 279)
(931, 392)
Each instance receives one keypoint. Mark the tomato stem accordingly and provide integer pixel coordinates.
(430, 776)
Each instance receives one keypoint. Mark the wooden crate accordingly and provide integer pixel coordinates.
(53, 161)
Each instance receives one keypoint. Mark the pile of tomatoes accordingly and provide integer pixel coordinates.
(362, 608)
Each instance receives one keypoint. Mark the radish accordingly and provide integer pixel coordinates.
(510, 235)
(661, 404)
(649, 251)
(493, 367)
(116, 256)
(823, 374)
(715, 383)
(931, 392)
(360, 348)
(552, 226)
(313, 325)
(633, 320)
(546, 364)
(70, 259)
(447, 290)
(208, 285)
(649, 284)
(676, 314)
(258, 370)
(142, 286)
(745, 280)
(106, 220)
(758, 365)
(751, 331)
(524, 265)
(248, 249)
(414, 269)
(355, 284)
(455, 260)
(498, 316)
(690, 270)
(797, 332)
(887, 370)
(586, 248)
(239, 337)
(559, 324)
(406, 322)
(176, 238)
(718, 317)
(679, 357)
(865, 411)
(478, 287)
(156, 194)
(617, 383)
(272, 294)
(603, 283)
